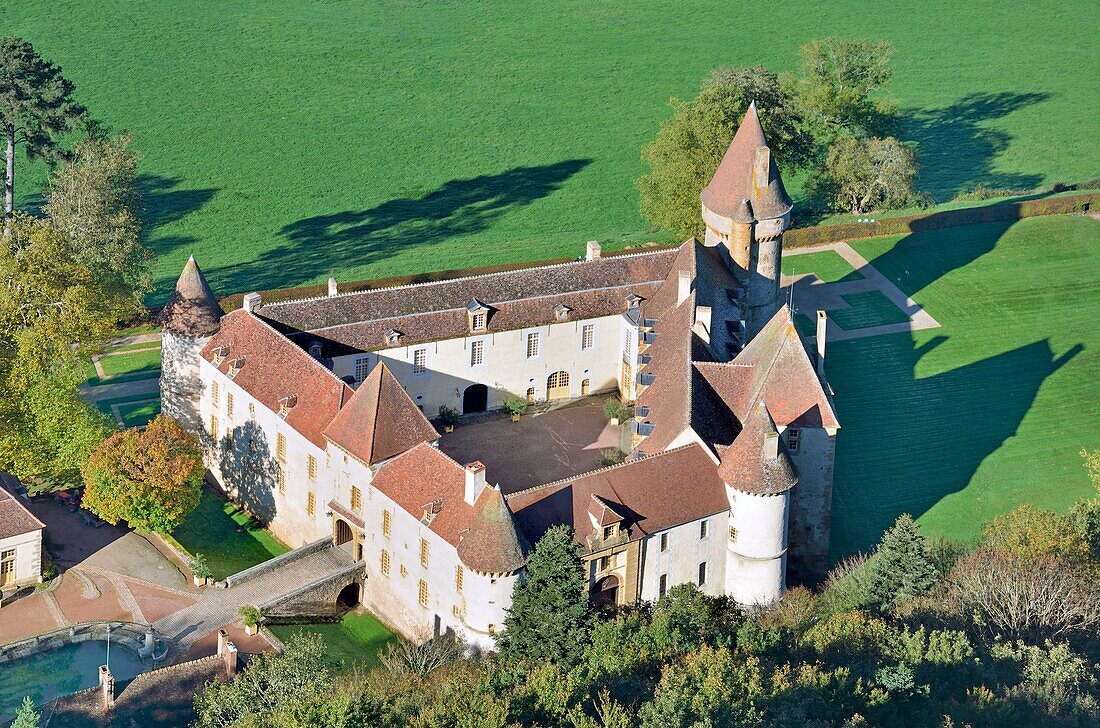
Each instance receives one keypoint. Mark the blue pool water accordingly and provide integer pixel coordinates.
(62, 671)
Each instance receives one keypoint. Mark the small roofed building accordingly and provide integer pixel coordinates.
(20, 539)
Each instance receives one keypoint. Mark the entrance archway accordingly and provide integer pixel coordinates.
(605, 593)
(475, 399)
(343, 533)
(349, 596)
(557, 385)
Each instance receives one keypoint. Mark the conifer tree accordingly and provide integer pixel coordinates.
(27, 717)
(550, 614)
(901, 566)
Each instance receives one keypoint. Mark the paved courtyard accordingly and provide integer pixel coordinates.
(541, 448)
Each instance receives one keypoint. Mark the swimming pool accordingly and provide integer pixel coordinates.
(61, 671)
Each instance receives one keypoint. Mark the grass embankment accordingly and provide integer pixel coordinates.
(283, 141)
(353, 643)
(959, 424)
(226, 536)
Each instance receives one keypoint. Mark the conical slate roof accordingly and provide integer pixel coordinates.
(747, 466)
(192, 311)
(738, 188)
(493, 545)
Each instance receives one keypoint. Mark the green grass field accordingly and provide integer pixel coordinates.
(354, 643)
(284, 141)
(147, 361)
(827, 265)
(224, 535)
(867, 308)
(959, 424)
(136, 415)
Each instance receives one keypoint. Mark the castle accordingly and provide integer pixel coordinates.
(312, 414)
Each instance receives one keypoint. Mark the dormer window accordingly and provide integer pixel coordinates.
(235, 366)
(477, 315)
(286, 404)
(561, 312)
(633, 300)
(609, 532)
(220, 352)
(477, 322)
(392, 337)
(315, 349)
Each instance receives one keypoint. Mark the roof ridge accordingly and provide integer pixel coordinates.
(305, 353)
(406, 286)
(601, 470)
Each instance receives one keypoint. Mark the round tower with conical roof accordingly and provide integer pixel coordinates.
(746, 209)
(191, 316)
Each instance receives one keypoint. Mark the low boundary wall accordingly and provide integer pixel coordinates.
(262, 568)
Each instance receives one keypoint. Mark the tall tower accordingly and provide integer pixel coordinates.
(191, 316)
(746, 209)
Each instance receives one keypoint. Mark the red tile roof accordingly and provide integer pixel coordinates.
(492, 545)
(274, 368)
(380, 420)
(745, 464)
(192, 310)
(15, 519)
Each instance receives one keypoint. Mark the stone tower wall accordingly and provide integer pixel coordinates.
(762, 294)
(811, 505)
(180, 383)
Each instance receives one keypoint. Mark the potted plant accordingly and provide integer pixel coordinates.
(251, 617)
(200, 569)
(449, 417)
(614, 410)
(515, 406)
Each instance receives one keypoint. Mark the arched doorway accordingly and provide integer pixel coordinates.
(557, 385)
(343, 533)
(349, 596)
(605, 593)
(586, 387)
(475, 399)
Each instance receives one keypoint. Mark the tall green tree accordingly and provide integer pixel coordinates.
(690, 144)
(27, 717)
(838, 79)
(36, 109)
(901, 566)
(550, 616)
(93, 200)
(865, 174)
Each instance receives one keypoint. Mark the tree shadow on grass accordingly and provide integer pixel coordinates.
(327, 243)
(957, 150)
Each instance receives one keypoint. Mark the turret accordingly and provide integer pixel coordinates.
(746, 209)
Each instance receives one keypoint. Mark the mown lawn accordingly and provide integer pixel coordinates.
(147, 361)
(136, 415)
(285, 140)
(353, 643)
(828, 265)
(959, 424)
(226, 537)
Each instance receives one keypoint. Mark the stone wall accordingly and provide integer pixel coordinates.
(811, 504)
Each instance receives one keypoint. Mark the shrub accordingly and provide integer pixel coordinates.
(611, 456)
(615, 409)
(250, 615)
(448, 415)
(200, 568)
(420, 657)
(515, 405)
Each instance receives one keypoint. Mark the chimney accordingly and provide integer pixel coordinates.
(683, 286)
(771, 445)
(761, 167)
(592, 250)
(251, 301)
(223, 640)
(107, 687)
(332, 287)
(228, 652)
(703, 322)
(821, 321)
(475, 481)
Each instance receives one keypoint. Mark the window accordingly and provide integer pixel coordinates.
(404, 571)
(282, 479)
(386, 523)
(606, 562)
(478, 322)
(7, 567)
(532, 344)
(311, 504)
(311, 467)
(280, 447)
(251, 410)
(229, 437)
(477, 353)
(704, 529)
(229, 405)
(702, 573)
(213, 427)
(420, 361)
(422, 595)
(492, 629)
(458, 578)
(454, 611)
(608, 531)
(530, 395)
(586, 387)
(733, 533)
(664, 542)
(362, 368)
(662, 586)
(794, 438)
(385, 562)
(424, 549)
(214, 393)
(356, 499)
(588, 336)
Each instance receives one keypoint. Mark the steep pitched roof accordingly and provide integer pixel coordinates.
(668, 395)
(15, 519)
(775, 368)
(737, 178)
(639, 488)
(746, 466)
(424, 476)
(273, 369)
(192, 309)
(380, 420)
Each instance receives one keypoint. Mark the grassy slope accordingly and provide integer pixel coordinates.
(211, 531)
(353, 643)
(959, 424)
(286, 140)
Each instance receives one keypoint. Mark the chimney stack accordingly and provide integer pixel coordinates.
(228, 652)
(332, 287)
(251, 301)
(761, 168)
(771, 445)
(475, 481)
(107, 687)
(592, 250)
(683, 286)
(822, 319)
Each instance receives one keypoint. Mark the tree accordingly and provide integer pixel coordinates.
(550, 615)
(93, 200)
(901, 566)
(1029, 533)
(689, 145)
(36, 109)
(27, 717)
(861, 175)
(709, 687)
(836, 80)
(1092, 467)
(151, 478)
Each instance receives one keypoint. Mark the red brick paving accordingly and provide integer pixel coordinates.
(156, 603)
(76, 608)
(24, 618)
